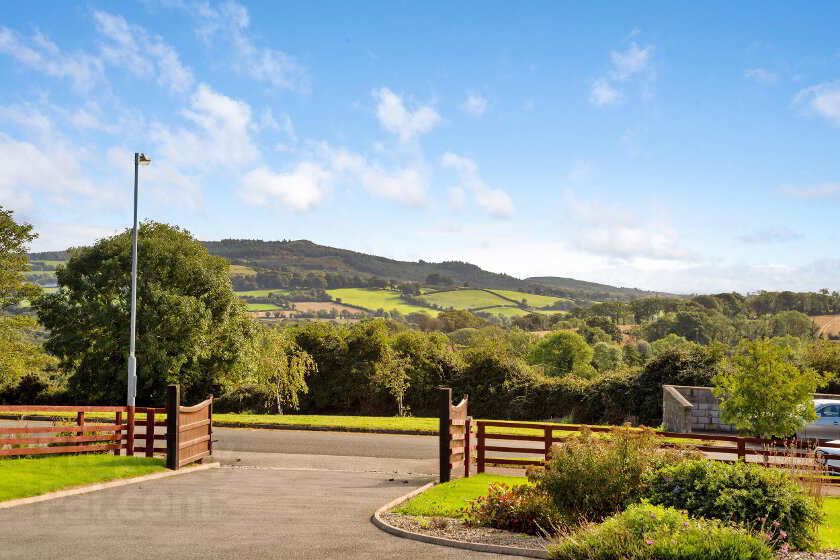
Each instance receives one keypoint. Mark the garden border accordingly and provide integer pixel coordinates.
(88, 488)
(377, 520)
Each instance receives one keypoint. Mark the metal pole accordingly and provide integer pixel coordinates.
(132, 361)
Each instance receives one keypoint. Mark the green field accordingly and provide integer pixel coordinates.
(450, 499)
(533, 299)
(53, 263)
(262, 307)
(22, 478)
(465, 299)
(510, 312)
(263, 293)
(242, 270)
(373, 299)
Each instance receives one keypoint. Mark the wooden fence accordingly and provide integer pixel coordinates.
(457, 442)
(732, 448)
(132, 431)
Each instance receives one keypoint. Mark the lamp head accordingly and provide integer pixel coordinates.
(142, 159)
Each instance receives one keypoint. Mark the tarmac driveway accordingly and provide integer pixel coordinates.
(230, 513)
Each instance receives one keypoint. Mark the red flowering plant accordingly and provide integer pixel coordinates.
(521, 509)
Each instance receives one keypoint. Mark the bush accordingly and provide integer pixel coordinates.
(590, 478)
(522, 509)
(646, 532)
(252, 399)
(755, 497)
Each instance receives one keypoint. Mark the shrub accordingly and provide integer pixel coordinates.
(755, 497)
(647, 532)
(250, 398)
(589, 478)
(521, 509)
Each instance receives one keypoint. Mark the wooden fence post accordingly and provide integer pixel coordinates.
(173, 424)
(742, 448)
(549, 434)
(80, 420)
(444, 404)
(150, 432)
(129, 439)
(210, 429)
(467, 451)
(479, 464)
(118, 432)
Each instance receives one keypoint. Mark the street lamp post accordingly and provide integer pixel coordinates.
(139, 159)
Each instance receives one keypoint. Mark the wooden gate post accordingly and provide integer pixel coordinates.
(129, 436)
(173, 425)
(467, 447)
(150, 432)
(479, 463)
(444, 403)
(118, 432)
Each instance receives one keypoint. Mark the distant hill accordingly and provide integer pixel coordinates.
(561, 282)
(302, 258)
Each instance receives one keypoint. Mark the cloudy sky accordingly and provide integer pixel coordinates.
(673, 146)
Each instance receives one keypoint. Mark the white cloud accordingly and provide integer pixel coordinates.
(42, 55)
(406, 184)
(142, 54)
(55, 236)
(277, 68)
(632, 66)
(822, 100)
(608, 230)
(495, 202)
(222, 132)
(396, 119)
(768, 235)
(815, 192)
(761, 75)
(603, 93)
(128, 47)
(301, 189)
(475, 105)
(582, 172)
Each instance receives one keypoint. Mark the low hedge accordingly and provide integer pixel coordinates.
(757, 498)
(647, 532)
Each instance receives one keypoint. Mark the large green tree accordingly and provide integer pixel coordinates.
(190, 325)
(563, 353)
(19, 354)
(763, 391)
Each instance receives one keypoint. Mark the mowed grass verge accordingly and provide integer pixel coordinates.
(830, 529)
(449, 499)
(22, 478)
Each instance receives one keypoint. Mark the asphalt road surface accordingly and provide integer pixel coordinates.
(231, 513)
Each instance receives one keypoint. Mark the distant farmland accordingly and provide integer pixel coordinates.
(827, 324)
(373, 299)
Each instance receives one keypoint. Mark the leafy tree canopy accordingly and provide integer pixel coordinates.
(190, 325)
(562, 353)
(763, 392)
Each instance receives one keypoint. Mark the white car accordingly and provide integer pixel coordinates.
(827, 424)
(831, 455)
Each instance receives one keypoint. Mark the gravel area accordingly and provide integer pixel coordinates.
(824, 555)
(455, 529)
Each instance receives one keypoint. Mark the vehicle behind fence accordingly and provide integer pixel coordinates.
(183, 434)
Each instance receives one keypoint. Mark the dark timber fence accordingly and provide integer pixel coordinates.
(458, 442)
(190, 428)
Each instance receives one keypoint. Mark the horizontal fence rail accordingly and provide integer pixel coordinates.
(131, 430)
(732, 448)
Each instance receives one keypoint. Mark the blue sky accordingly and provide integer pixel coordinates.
(663, 145)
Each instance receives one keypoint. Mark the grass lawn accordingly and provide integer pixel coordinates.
(262, 307)
(830, 530)
(504, 311)
(374, 299)
(242, 270)
(22, 478)
(262, 293)
(465, 299)
(533, 299)
(447, 500)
